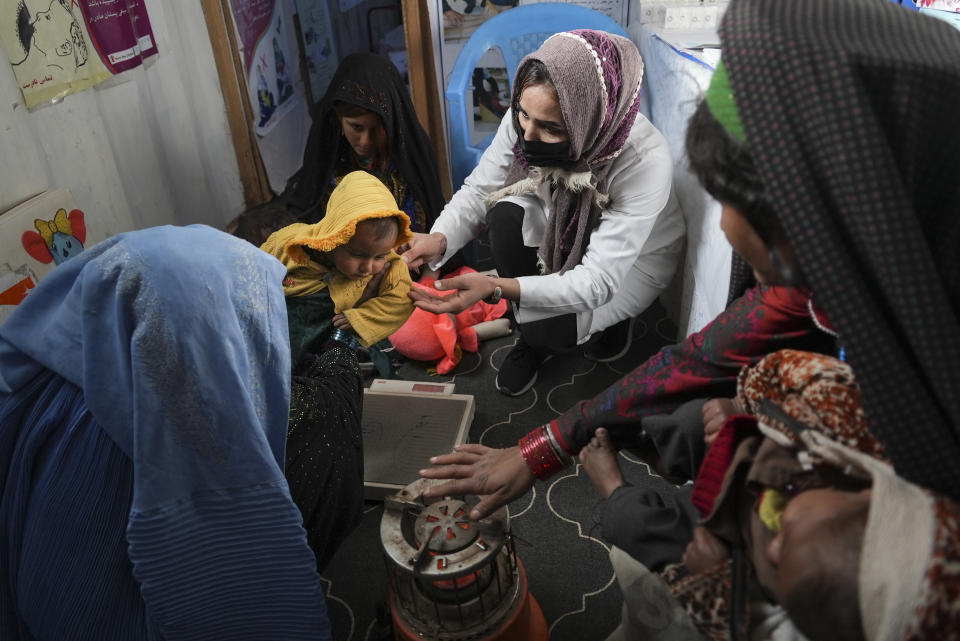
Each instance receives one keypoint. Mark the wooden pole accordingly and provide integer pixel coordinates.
(233, 83)
(423, 82)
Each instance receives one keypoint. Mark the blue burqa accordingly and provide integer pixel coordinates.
(144, 390)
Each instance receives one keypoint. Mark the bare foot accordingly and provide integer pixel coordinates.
(599, 459)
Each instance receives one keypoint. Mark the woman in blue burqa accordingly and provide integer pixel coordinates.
(145, 388)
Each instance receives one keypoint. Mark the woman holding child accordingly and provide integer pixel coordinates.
(576, 191)
(364, 122)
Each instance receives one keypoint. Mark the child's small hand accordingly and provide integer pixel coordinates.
(716, 411)
(340, 322)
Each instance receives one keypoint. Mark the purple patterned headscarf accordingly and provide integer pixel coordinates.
(597, 77)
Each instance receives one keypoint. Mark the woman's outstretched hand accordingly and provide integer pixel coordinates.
(423, 248)
(467, 290)
(497, 476)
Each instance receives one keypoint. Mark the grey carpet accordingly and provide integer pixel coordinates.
(568, 569)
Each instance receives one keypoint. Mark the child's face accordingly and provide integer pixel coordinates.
(365, 254)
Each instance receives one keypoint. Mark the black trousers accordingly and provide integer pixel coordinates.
(512, 259)
(654, 521)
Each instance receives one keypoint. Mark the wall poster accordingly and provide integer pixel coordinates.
(265, 29)
(58, 47)
(458, 19)
(318, 45)
(942, 5)
(39, 234)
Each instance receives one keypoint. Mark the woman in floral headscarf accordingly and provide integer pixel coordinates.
(576, 190)
(806, 526)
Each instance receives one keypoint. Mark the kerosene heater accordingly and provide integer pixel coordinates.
(452, 578)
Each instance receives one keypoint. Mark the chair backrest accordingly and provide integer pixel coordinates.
(515, 32)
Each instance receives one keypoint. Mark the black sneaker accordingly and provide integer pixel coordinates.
(518, 372)
(612, 343)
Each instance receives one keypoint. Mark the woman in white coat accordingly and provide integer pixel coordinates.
(576, 192)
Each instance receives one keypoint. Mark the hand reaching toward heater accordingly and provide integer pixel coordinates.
(498, 476)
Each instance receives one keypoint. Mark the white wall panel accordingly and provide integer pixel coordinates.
(148, 147)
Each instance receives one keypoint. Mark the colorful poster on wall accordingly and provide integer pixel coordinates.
(121, 31)
(942, 5)
(318, 44)
(458, 20)
(462, 17)
(265, 29)
(59, 47)
(35, 237)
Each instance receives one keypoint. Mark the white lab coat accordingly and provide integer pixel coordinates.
(632, 254)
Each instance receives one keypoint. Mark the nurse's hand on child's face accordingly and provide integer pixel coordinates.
(423, 248)
(467, 290)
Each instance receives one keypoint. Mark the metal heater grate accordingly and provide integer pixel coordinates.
(450, 577)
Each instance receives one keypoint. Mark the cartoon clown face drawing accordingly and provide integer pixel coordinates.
(58, 239)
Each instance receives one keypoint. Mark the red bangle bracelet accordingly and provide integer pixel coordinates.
(539, 454)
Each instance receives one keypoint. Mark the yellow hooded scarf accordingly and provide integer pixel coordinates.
(358, 197)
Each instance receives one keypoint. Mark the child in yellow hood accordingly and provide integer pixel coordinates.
(342, 272)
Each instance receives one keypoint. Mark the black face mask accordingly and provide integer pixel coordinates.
(547, 154)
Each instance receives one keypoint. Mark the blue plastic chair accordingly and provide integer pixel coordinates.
(515, 32)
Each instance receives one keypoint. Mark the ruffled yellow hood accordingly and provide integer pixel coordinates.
(359, 196)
